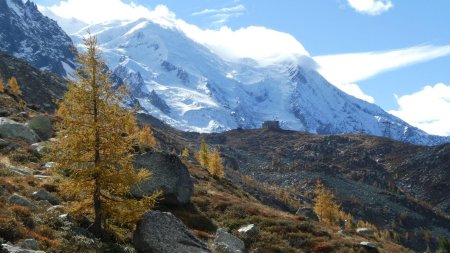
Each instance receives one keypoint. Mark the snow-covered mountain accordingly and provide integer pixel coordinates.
(28, 35)
(189, 87)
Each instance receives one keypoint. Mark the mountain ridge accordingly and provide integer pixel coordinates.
(29, 35)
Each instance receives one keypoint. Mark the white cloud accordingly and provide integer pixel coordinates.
(98, 11)
(237, 8)
(264, 45)
(354, 67)
(371, 7)
(427, 109)
(221, 16)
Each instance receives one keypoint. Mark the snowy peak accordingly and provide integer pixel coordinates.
(28, 35)
(186, 85)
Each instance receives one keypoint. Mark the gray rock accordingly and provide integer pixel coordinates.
(43, 194)
(49, 165)
(225, 242)
(308, 213)
(21, 201)
(40, 147)
(368, 245)
(57, 208)
(44, 203)
(169, 174)
(249, 230)
(4, 113)
(14, 249)
(14, 130)
(8, 146)
(364, 231)
(42, 126)
(29, 244)
(163, 232)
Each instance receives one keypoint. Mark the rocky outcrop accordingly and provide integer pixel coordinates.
(43, 194)
(29, 244)
(42, 126)
(27, 34)
(21, 201)
(228, 243)
(249, 231)
(14, 130)
(163, 232)
(169, 174)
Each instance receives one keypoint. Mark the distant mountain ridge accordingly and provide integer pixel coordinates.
(28, 35)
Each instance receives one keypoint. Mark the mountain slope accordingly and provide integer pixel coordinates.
(39, 88)
(27, 34)
(191, 88)
(394, 185)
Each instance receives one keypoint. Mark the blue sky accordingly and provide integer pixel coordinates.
(331, 28)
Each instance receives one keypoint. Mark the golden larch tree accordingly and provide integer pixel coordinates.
(215, 166)
(93, 153)
(324, 206)
(14, 87)
(203, 154)
(185, 152)
(2, 86)
(146, 137)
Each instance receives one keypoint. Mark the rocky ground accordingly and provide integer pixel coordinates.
(398, 187)
(199, 213)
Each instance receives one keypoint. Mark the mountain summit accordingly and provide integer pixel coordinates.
(27, 34)
(186, 85)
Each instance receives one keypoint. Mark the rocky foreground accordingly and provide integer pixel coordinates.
(198, 213)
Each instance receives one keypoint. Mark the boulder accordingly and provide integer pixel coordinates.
(364, 231)
(43, 194)
(29, 244)
(42, 126)
(249, 230)
(308, 213)
(20, 200)
(169, 175)
(163, 232)
(225, 242)
(14, 130)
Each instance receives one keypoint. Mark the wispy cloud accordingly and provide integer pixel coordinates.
(222, 15)
(427, 109)
(233, 9)
(371, 7)
(354, 67)
(345, 70)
